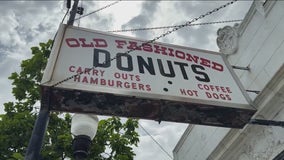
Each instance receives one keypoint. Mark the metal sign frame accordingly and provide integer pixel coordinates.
(107, 101)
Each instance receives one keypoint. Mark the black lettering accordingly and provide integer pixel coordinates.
(96, 61)
(181, 66)
(162, 71)
(129, 66)
(203, 76)
(143, 64)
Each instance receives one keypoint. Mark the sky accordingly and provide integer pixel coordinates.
(24, 24)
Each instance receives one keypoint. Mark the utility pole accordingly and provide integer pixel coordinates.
(36, 141)
(73, 13)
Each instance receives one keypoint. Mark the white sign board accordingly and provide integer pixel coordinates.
(155, 71)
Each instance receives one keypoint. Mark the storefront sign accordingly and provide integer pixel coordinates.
(93, 61)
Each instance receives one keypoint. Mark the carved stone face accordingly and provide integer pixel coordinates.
(227, 39)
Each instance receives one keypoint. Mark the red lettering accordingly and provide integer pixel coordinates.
(195, 93)
(76, 78)
(148, 87)
(126, 85)
(222, 96)
(72, 69)
(124, 76)
(191, 58)
(212, 87)
(72, 42)
(119, 84)
(95, 72)
(180, 54)
(133, 45)
(85, 80)
(110, 83)
(79, 70)
(131, 77)
(217, 88)
(218, 96)
(120, 43)
(134, 85)
(205, 62)
(159, 49)
(171, 52)
(223, 89)
(94, 81)
(215, 96)
(141, 87)
(117, 75)
(189, 92)
(228, 89)
(206, 87)
(147, 47)
(200, 86)
(103, 82)
(83, 44)
(100, 43)
(87, 71)
(182, 91)
(217, 66)
(137, 78)
(208, 95)
(228, 97)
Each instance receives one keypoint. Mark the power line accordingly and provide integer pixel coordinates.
(109, 5)
(166, 27)
(155, 39)
(61, 22)
(65, 15)
(155, 141)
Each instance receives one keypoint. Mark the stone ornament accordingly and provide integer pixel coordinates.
(227, 39)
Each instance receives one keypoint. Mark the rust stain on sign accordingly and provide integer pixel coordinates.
(159, 110)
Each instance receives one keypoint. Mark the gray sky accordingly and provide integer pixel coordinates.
(26, 24)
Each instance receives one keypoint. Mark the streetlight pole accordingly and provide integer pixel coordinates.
(35, 143)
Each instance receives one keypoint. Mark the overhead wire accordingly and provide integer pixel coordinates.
(109, 5)
(175, 28)
(167, 27)
(65, 15)
(160, 146)
(152, 40)
(61, 23)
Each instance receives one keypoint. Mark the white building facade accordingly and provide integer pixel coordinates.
(258, 44)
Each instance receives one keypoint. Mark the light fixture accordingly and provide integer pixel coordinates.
(83, 128)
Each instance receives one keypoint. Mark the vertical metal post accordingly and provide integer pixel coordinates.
(36, 141)
(73, 13)
(35, 144)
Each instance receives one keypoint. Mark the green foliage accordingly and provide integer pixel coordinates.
(113, 136)
(117, 138)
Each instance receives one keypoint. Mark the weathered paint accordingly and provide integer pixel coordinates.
(158, 110)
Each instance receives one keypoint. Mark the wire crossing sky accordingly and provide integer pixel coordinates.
(157, 38)
(26, 24)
